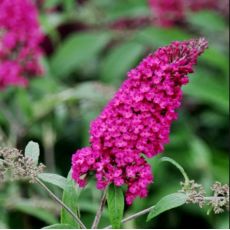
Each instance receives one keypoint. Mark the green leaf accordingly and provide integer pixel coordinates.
(214, 57)
(156, 37)
(70, 5)
(201, 153)
(208, 89)
(166, 203)
(181, 169)
(54, 179)
(126, 9)
(70, 198)
(50, 22)
(76, 51)
(23, 102)
(200, 19)
(32, 151)
(39, 213)
(51, 3)
(86, 91)
(119, 60)
(1, 162)
(59, 226)
(115, 200)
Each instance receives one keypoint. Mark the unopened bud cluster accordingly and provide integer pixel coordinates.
(15, 166)
(219, 201)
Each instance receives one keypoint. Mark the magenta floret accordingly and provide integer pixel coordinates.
(136, 122)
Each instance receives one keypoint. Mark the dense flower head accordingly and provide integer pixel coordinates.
(20, 36)
(167, 12)
(170, 12)
(136, 122)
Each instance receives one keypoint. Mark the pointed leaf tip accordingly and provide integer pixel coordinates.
(166, 203)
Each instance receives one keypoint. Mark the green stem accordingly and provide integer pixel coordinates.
(75, 217)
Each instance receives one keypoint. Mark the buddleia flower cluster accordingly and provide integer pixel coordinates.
(136, 122)
(170, 12)
(20, 36)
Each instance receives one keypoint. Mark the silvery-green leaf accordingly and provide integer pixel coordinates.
(32, 151)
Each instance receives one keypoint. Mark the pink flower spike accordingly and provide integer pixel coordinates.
(167, 13)
(20, 37)
(139, 125)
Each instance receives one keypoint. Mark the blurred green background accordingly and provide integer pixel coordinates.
(88, 48)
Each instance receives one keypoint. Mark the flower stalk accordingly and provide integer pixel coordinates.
(100, 210)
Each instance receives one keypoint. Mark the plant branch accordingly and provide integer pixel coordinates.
(76, 218)
(134, 216)
(145, 211)
(100, 210)
(210, 198)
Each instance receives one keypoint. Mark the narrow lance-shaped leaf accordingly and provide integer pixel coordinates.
(155, 36)
(32, 151)
(59, 226)
(115, 200)
(54, 179)
(70, 198)
(77, 50)
(117, 63)
(208, 90)
(83, 91)
(178, 166)
(37, 212)
(166, 203)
